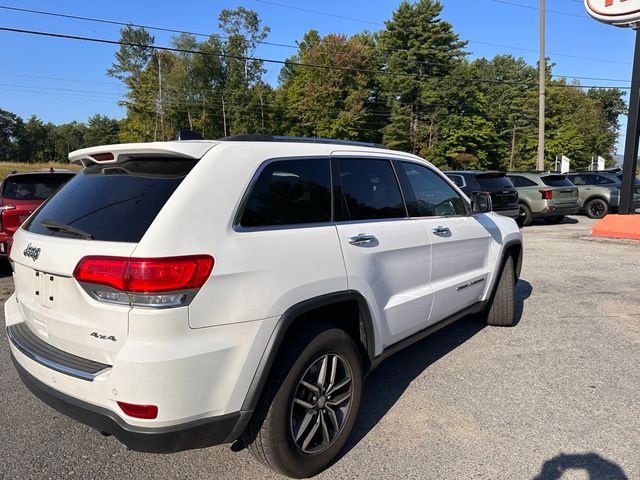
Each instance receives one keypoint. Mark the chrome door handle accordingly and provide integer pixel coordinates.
(362, 239)
(441, 230)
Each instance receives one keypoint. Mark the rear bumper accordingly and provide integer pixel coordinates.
(197, 434)
(552, 211)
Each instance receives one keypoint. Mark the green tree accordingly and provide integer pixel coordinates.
(418, 49)
(331, 101)
(101, 130)
(132, 67)
(11, 135)
(243, 31)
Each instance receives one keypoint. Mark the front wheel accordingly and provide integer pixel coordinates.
(310, 403)
(502, 306)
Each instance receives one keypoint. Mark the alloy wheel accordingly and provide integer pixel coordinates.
(321, 403)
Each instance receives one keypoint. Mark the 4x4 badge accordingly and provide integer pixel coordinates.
(32, 252)
(103, 337)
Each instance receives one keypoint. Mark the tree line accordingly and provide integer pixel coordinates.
(410, 86)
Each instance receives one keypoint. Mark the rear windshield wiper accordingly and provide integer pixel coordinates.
(63, 227)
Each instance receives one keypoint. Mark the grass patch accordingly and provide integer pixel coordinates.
(7, 167)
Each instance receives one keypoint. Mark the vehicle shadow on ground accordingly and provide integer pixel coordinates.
(565, 221)
(386, 384)
(597, 467)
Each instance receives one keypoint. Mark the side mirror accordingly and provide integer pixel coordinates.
(481, 202)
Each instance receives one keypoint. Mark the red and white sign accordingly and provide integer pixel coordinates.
(624, 13)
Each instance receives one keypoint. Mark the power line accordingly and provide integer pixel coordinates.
(244, 57)
(318, 12)
(531, 7)
(283, 45)
(274, 61)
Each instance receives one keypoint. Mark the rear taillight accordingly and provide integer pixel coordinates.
(157, 282)
(547, 194)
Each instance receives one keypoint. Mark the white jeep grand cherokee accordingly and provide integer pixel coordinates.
(184, 294)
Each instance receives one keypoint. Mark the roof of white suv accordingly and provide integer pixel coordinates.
(196, 149)
(193, 149)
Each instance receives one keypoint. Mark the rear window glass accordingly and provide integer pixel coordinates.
(114, 203)
(290, 192)
(33, 187)
(556, 181)
(494, 181)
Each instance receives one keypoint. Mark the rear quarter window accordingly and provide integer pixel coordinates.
(556, 181)
(520, 181)
(290, 192)
(115, 202)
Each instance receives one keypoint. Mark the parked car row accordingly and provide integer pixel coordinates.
(21, 193)
(550, 196)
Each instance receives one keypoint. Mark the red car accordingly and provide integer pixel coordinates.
(21, 193)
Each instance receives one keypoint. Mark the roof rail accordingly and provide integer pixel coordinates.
(276, 138)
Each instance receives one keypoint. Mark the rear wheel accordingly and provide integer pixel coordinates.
(554, 219)
(502, 310)
(310, 404)
(596, 208)
(526, 216)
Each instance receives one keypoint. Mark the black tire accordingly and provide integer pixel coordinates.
(502, 310)
(554, 219)
(270, 435)
(526, 216)
(596, 208)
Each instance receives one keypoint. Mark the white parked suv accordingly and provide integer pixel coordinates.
(190, 293)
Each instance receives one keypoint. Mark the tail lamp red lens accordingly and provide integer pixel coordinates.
(145, 275)
(547, 194)
(146, 412)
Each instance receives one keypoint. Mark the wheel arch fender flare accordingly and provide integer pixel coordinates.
(287, 321)
(510, 248)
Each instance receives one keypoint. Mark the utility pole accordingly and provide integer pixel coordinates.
(542, 81)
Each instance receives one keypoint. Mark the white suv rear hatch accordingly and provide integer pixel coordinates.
(105, 210)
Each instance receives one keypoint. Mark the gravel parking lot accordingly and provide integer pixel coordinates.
(558, 396)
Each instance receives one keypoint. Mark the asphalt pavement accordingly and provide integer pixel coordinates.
(556, 397)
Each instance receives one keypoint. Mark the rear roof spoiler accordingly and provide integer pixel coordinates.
(110, 154)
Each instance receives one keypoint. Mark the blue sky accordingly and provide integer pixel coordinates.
(63, 80)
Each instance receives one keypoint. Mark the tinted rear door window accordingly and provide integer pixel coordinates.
(114, 203)
(33, 187)
(290, 192)
(370, 189)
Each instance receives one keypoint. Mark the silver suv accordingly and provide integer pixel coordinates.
(599, 192)
(549, 196)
